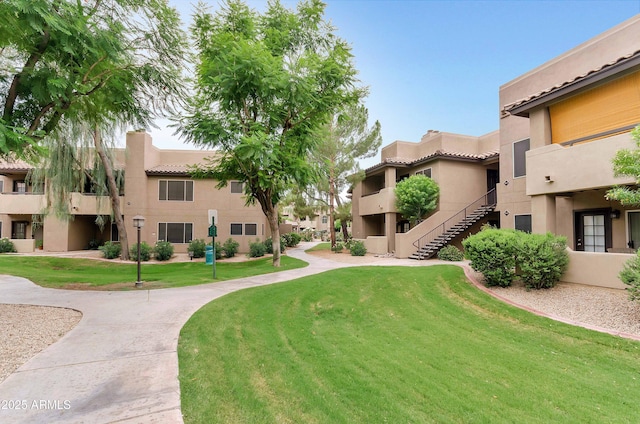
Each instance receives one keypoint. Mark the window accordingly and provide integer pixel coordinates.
(19, 187)
(523, 223)
(176, 190)
(426, 172)
(1, 186)
(236, 229)
(250, 229)
(19, 230)
(0, 228)
(325, 218)
(236, 187)
(175, 232)
(520, 149)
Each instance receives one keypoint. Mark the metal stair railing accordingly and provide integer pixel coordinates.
(488, 199)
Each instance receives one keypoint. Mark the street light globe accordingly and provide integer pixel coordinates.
(138, 221)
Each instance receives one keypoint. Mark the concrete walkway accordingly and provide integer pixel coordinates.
(120, 363)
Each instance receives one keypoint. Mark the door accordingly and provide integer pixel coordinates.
(593, 231)
(493, 178)
(633, 219)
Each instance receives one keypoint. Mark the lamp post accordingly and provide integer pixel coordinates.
(138, 222)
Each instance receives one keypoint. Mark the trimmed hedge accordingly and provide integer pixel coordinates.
(145, 252)
(357, 248)
(163, 251)
(111, 250)
(198, 247)
(450, 253)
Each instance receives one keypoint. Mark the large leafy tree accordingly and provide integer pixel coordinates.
(626, 163)
(344, 140)
(265, 84)
(73, 74)
(416, 197)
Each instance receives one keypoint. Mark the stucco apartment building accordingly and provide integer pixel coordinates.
(560, 126)
(157, 186)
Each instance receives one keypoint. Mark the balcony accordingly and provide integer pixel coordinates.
(87, 204)
(21, 203)
(556, 169)
(377, 203)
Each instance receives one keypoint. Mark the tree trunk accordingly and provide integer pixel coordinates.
(114, 195)
(332, 210)
(272, 216)
(343, 222)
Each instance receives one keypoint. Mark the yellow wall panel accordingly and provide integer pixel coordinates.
(611, 106)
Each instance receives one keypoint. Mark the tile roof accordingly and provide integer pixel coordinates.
(180, 170)
(506, 109)
(437, 155)
(9, 165)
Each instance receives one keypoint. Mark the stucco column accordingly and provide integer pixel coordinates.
(55, 234)
(390, 177)
(390, 230)
(543, 213)
(540, 128)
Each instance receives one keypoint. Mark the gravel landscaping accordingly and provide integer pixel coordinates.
(26, 330)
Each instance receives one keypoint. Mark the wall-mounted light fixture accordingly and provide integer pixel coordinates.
(506, 182)
(548, 179)
(615, 214)
(506, 213)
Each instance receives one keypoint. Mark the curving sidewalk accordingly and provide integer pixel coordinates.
(120, 363)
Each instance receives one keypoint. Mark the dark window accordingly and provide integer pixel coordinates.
(175, 190)
(0, 228)
(1, 186)
(426, 172)
(325, 219)
(175, 232)
(236, 187)
(19, 187)
(523, 223)
(19, 230)
(250, 229)
(236, 229)
(520, 149)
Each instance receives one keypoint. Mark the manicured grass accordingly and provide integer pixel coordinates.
(397, 345)
(320, 246)
(91, 274)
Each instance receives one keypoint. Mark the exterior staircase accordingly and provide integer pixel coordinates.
(430, 243)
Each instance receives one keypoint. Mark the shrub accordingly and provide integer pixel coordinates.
(542, 259)
(230, 247)
(450, 253)
(291, 239)
(6, 246)
(197, 247)
(111, 250)
(145, 252)
(93, 244)
(630, 275)
(357, 248)
(256, 249)
(163, 251)
(492, 252)
(337, 248)
(219, 250)
(268, 245)
(307, 235)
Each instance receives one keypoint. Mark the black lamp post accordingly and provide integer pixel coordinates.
(138, 222)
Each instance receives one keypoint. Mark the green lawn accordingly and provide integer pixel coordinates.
(320, 246)
(397, 345)
(91, 274)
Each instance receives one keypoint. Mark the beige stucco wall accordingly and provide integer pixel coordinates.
(596, 269)
(581, 167)
(376, 244)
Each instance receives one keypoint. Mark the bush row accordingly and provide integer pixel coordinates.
(162, 251)
(6, 246)
(540, 259)
(230, 247)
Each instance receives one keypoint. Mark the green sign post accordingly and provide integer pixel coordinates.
(213, 232)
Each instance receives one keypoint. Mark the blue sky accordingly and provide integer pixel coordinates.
(439, 64)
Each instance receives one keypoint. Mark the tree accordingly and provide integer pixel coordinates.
(75, 73)
(416, 197)
(344, 140)
(626, 163)
(265, 84)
